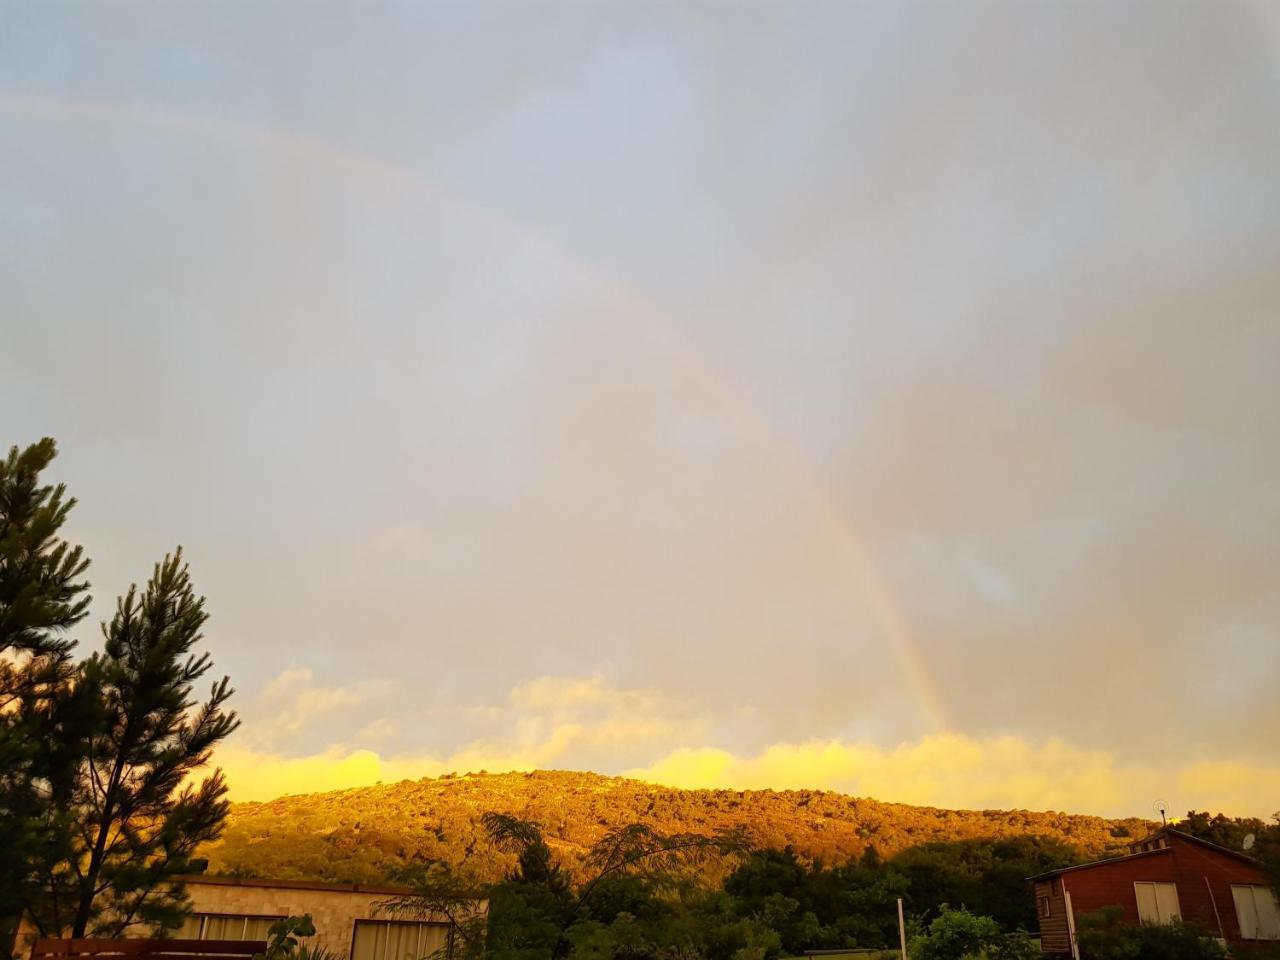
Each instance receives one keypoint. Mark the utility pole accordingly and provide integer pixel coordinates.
(902, 930)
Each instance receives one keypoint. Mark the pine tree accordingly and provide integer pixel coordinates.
(41, 593)
(98, 813)
(42, 596)
(139, 818)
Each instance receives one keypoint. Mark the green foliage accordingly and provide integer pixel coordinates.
(815, 908)
(985, 876)
(526, 921)
(637, 898)
(42, 596)
(282, 937)
(138, 824)
(697, 924)
(97, 815)
(283, 941)
(1225, 831)
(1104, 935)
(641, 897)
(961, 935)
(659, 858)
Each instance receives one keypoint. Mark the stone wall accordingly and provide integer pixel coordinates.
(335, 909)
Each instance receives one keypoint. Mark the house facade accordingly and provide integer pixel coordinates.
(349, 919)
(1168, 877)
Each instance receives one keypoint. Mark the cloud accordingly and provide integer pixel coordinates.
(1233, 785)
(947, 770)
(545, 721)
(262, 775)
(560, 692)
(588, 723)
(619, 339)
(951, 770)
(293, 701)
(955, 770)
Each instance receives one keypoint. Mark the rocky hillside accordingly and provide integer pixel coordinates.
(365, 834)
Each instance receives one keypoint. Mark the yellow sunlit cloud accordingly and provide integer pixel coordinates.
(556, 720)
(950, 770)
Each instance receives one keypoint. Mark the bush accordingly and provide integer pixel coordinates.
(1104, 935)
(283, 944)
(961, 935)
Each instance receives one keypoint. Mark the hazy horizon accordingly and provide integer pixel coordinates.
(873, 397)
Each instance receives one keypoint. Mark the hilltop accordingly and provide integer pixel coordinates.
(365, 834)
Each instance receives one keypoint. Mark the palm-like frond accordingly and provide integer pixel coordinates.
(639, 847)
(510, 833)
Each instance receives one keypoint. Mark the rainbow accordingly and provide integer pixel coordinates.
(871, 592)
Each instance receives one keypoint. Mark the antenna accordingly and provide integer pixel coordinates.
(1162, 806)
(1249, 839)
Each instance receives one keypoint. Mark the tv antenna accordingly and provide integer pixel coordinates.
(1162, 807)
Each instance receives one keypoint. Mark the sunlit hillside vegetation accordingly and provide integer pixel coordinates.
(368, 834)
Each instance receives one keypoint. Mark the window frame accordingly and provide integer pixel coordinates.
(246, 917)
(1155, 886)
(1253, 889)
(381, 922)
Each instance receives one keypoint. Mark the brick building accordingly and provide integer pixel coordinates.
(1166, 877)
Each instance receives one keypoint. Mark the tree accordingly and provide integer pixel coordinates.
(987, 876)
(538, 913)
(138, 819)
(961, 935)
(42, 596)
(1229, 832)
(854, 905)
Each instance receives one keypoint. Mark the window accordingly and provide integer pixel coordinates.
(1157, 902)
(397, 940)
(218, 926)
(1257, 912)
(1046, 910)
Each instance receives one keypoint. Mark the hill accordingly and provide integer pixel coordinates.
(365, 834)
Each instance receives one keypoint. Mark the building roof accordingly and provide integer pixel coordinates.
(376, 889)
(1167, 831)
(1099, 863)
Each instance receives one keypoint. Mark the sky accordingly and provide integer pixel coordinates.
(870, 396)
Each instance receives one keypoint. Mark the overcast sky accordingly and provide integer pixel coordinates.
(874, 396)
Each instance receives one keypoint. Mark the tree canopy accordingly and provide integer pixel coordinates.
(99, 811)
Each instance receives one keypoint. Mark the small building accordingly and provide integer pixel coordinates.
(348, 917)
(1166, 877)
